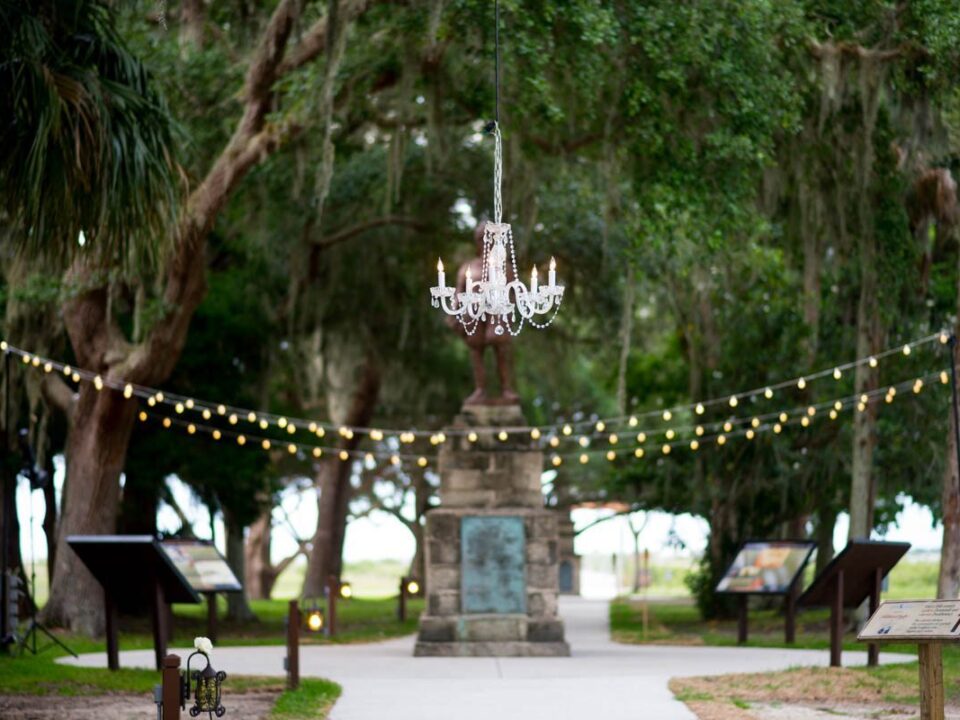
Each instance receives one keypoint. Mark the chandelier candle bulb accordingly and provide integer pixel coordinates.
(533, 280)
(441, 280)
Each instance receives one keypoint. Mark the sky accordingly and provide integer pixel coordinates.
(380, 536)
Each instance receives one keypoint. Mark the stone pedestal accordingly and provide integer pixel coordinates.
(569, 561)
(491, 548)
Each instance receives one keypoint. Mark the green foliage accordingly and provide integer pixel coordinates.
(313, 699)
(87, 141)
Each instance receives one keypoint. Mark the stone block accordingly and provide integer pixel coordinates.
(464, 479)
(437, 629)
(443, 577)
(492, 628)
(545, 630)
(542, 527)
(543, 577)
(491, 649)
(442, 527)
(467, 498)
(443, 553)
(539, 552)
(443, 603)
(542, 603)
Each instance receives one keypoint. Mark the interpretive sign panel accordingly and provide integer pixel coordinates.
(493, 565)
(201, 565)
(914, 620)
(766, 567)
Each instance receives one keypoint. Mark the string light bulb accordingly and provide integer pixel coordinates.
(699, 409)
(633, 421)
(167, 422)
(292, 449)
(567, 430)
(613, 439)
(768, 393)
(265, 444)
(554, 441)
(216, 435)
(699, 430)
(641, 438)
(667, 415)
(727, 426)
(777, 428)
(128, 391)
(670, 434)
(750, 434)
(666, 449)
(191, 428)
(241, 440)
(584, 458)
(733, 401)
(906, 349)
(611, 455)
(98, 383)
(422, 461)
(802, 383)
(721, 439)
(694, 445)
(535, 433)
(872, 361)
(178, 408)
(584, 441)
(837, 374)
(638, 453)
(755, 422)
(556, 461)
(601, 426)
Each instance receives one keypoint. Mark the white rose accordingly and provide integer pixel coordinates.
(203, 645)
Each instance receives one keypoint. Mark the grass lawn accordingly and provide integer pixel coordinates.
(725, 696)
(359, 620)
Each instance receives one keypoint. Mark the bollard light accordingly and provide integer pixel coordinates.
(346, 591)
(207, 684)
(313, 617)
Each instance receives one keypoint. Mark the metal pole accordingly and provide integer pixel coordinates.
(956, 407)
(5, 640)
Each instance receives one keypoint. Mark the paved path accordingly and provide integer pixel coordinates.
(603, 679)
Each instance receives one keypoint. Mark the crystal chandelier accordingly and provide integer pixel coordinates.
(498, 298)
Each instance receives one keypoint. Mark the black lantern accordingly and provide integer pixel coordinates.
(206, 688)
(346, 590)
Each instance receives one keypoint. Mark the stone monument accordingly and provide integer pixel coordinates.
(491, 547)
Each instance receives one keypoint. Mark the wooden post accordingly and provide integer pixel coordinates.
(836, 621)
(168, 617)
(790, 615)
(333, 590)
(931, 682)
(159, 624)
(113, 645)
(212, 616)
(171, 687)
(742, 621)
(293, 646)
(873, 649)
(402, 601)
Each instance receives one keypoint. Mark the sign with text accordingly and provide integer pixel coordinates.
(766, 567)
(201, 565)
(914, 620)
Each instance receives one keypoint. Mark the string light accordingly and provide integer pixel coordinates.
(583, 441)
(554, 441)
(191, 428)
(265, 444)
(666, 449)
(667, 415)
(292, 449)
(344, 456)
(472, 437)
(241, 440)
(638, 453)
(180, 405)
(167, 422)
(556, 460)
(611, 455)
(216, 434)
(143, 416)
(694, 445)
(232, 419)
(584, 458)
(317, 452)
(750, 434)
(721, 439)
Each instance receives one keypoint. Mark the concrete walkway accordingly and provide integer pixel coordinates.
(603, 679)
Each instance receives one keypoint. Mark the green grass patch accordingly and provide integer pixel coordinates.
(312, 700)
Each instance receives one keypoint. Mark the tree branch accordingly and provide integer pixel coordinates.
(360, 228)
(58, 393)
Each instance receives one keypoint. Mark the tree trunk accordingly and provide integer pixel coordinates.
(948, 582)
(101, 422)
(333, 480)
(259, 571)
(238, 609)
(98, 435)
(862, 486)
(826, 521)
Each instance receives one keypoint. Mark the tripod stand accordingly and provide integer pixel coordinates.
(38, 479)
